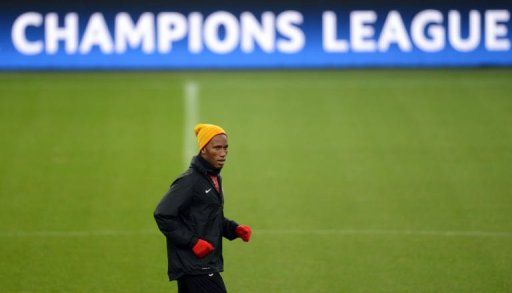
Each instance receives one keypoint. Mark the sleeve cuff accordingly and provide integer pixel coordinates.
(193, 242)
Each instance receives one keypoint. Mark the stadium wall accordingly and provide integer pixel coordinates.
(225, 35)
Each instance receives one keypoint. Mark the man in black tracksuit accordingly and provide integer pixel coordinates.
(191, 217)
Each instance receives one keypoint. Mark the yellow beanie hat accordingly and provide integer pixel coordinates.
(205, 133)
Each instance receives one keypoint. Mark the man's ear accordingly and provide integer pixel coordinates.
(203, 151)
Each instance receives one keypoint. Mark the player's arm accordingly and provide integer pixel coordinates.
(228, 229)
(231, 230)
(178, 198)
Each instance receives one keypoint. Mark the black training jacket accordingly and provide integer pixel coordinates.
(190, 210)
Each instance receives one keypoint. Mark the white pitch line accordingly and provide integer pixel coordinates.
(315, 232)
(191, 115)
(390, 232)
(76, 233)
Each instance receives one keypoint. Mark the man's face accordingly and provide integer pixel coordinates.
(216, 151)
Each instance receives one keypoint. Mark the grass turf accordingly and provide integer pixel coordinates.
(353, 155)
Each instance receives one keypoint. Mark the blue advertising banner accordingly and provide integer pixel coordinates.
(193, 35)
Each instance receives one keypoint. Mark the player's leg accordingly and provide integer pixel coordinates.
(207, 283)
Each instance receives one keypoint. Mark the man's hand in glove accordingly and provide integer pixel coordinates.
(244, 232)
(202, 248)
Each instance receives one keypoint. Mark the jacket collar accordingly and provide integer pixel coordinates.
(201, 165)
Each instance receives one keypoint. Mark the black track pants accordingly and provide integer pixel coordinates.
(208, 283)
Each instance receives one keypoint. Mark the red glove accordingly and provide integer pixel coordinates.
(202, 248)
(243, 232)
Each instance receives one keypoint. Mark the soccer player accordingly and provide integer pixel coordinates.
(191, 217)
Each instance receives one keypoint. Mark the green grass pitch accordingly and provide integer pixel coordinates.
(353, 181)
